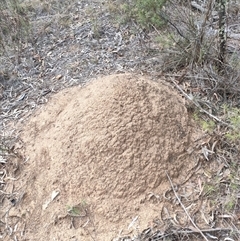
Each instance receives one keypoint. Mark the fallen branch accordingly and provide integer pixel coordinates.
(202, 9)
(160, 235)
(185, 210)
(198, 105)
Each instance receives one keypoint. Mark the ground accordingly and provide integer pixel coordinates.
(119, 157)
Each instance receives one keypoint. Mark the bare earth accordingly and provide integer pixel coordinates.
(98, 158)
(91, 163)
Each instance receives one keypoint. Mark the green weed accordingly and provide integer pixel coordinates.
(206, 125)
(230, 203)
(232, 116)
(77, 210)
(210, 189)
(165, 40)
(144, 12)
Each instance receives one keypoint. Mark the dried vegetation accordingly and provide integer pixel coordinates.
(70, 43)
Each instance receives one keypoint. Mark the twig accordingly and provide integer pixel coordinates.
(185, 210)
(187, 76)
(198, 7)
(165, 18)
(204, 231)
(188, 232)
(211, 230)
(197, 104)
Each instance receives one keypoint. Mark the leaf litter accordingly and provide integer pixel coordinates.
(61, 57)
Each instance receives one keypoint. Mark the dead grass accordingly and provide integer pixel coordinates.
(14, 26)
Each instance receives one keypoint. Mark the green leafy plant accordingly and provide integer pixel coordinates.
(77, 210)
(230, 203)
(233, 116)
(210, 189)
(144, 12)
(147, 12)
(206, 125)
(165, 40)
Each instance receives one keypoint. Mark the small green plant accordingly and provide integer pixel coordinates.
(165, 40)
(77, 210)
(212, 187)
(231, 203)
(233, 116)
(144, 12)
(207, 125)
(234, 185)
(147, 12)
(209, 189)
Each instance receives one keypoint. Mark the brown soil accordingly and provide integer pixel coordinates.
(105, 148)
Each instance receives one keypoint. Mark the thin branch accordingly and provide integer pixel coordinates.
(165, 18)
(189, 232)
(198, 105)
(187, 76)
(185, 210)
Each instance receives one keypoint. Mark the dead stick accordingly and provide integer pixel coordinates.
(185, 210)
(198, 105)
(205, 230)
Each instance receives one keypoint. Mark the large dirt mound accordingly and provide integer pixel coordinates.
(104, 151)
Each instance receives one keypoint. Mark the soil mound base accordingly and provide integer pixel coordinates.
(98, 156)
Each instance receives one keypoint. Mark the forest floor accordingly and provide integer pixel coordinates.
(72, 44)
